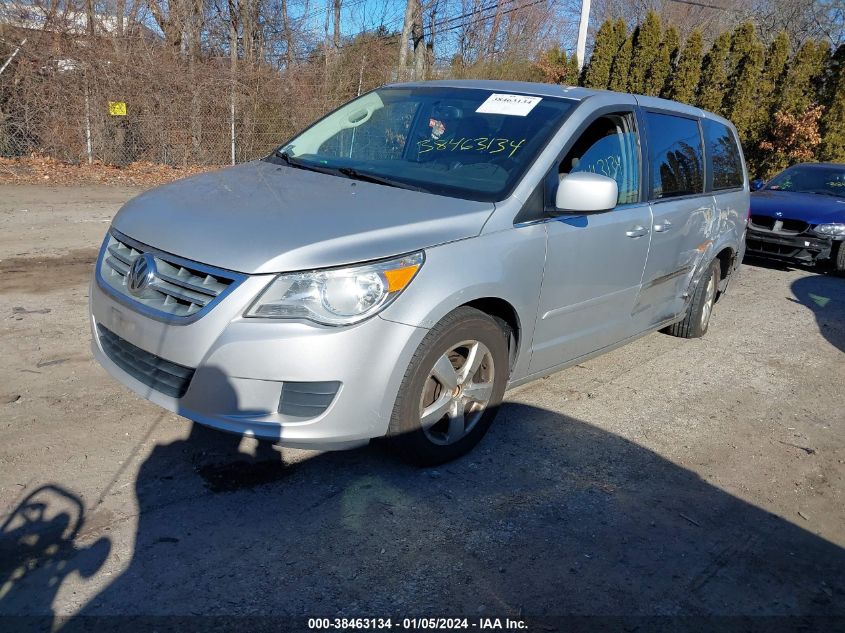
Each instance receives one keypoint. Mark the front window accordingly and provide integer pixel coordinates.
(471, 144)
(608, 147)
(820, 179)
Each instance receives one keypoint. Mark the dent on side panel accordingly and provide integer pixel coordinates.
(506, 265)
(700, 251)
(725, 231)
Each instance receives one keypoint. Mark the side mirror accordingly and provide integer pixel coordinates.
(757, 184)
(586, 192)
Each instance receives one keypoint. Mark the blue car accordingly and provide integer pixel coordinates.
(799, 216)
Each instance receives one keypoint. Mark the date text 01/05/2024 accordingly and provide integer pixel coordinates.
(416, 624)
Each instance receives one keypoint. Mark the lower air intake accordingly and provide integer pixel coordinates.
(155, 372)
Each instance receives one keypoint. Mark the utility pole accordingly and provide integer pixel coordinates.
(581, 47)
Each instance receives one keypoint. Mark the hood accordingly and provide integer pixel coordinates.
(264, 218)
(809, 207)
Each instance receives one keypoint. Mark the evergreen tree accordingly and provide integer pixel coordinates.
(597, 72)
(774, 69)
(684, 81)
(619, 74)
(667, 53)
(745, 63)
(646, 45)
(801, 86)
(714, 74)
(833, 120)
(768, 90)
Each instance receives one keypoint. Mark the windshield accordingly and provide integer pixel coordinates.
(821, 179)
(471, 144)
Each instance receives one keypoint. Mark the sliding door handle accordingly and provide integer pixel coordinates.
(637, 231)
(663, 226)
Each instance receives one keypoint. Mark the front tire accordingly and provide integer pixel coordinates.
(697, 320)
(839, 262)
(452, 389)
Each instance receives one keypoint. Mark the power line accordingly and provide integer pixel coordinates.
(435, 28)
(487, 17)
(702, 4)
(495, 5)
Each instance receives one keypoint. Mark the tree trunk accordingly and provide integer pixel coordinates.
(403, 40)
(120, 10)
(288, 35)
(337, 23)
(89, 13)
(490, 48)
(419, 42)
(429, 47)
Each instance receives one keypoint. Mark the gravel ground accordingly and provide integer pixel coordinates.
(669, 477)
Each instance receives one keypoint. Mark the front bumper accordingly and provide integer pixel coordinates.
(242, 367)
(803, 248)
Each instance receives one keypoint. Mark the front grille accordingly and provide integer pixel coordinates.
(794, 226)
(176, 288)
(762, 222)
(790, 227)
(155, 372)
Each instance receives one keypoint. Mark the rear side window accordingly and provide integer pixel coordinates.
(675, 155)
(724, 165)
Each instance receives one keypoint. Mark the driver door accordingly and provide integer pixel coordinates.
(594, 262)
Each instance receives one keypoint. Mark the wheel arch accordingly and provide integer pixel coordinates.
(502, 310)
(726, 258)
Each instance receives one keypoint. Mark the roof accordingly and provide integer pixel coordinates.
(525, 87)
(555, 90)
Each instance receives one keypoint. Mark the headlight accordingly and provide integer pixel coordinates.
(339, 296)
(831, 229)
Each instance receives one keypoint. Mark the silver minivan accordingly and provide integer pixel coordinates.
(398, 265)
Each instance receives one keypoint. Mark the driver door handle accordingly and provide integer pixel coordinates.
(637, 231)
(663, 226)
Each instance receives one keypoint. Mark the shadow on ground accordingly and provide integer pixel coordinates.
(825, 296)
(548, 516)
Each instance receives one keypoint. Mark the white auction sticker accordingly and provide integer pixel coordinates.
(516, 105)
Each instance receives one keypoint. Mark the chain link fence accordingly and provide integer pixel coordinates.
(119, 102)
(124, 139)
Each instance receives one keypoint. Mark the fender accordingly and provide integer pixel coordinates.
(505, 265)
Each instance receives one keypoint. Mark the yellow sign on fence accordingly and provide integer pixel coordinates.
(117, 108)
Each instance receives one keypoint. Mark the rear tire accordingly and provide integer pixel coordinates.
(700, 309)
(452, 389)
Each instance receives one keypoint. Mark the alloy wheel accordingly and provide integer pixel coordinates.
(709, 300)
(457, 392)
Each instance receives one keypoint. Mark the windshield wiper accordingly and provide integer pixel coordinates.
(350, 172)
(292, 162)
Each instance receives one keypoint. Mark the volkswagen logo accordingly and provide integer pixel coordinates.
(141, 273)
